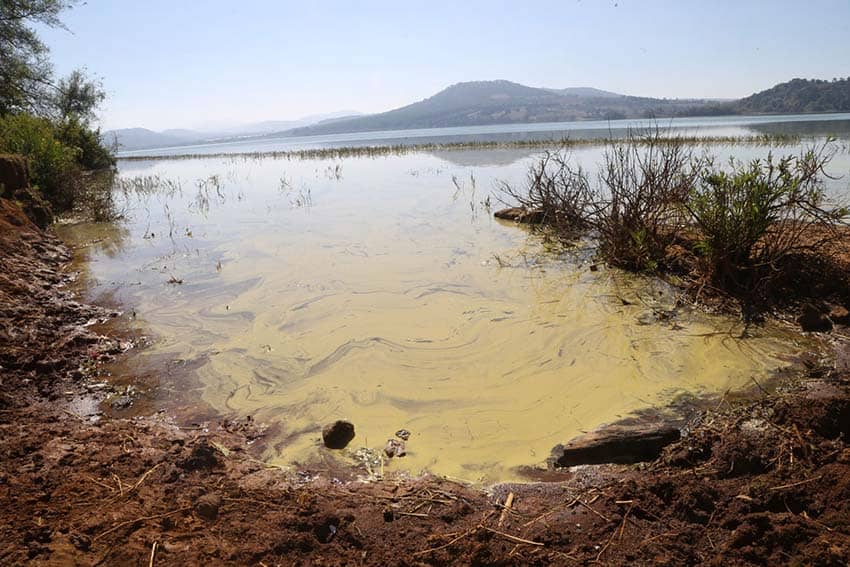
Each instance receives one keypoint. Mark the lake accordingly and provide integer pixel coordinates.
(819, 125)
(381, 290)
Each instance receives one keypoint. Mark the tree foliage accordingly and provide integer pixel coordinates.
(800, 95)
(25, 70)
(47, 120)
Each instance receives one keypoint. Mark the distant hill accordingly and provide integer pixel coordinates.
(799, 96)
(142, 138)
(136, 138)
(504, 102)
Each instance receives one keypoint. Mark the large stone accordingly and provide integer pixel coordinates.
(617, 443)
(394, 448)
(338, 434)
(521, 215)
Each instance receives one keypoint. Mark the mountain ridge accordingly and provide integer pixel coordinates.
(138, 138)
(475, 103)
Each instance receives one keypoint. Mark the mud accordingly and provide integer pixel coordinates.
(762, 482)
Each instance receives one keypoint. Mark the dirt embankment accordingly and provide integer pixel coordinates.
(761, 483)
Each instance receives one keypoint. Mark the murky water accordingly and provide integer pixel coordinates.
(382, 291)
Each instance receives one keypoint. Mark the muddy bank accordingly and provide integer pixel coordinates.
(764, 482)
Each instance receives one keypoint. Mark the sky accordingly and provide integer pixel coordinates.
(212, 63)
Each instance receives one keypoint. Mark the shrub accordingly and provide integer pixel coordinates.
(644, 181)
(58, 155)
(753, 215)
(53, 165)
(91, 153)
(741, 227)
(559, 190)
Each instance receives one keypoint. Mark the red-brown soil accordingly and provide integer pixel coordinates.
(763, 482)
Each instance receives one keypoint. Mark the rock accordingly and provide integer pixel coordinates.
(814, 319)
(839, 314)
(403, 434)
(394, 448)
(521, 215)
(202, 457)
(326, 530)
(338, 434)
(14, 174)
(121, 402)
(207, 506)
(618, 443)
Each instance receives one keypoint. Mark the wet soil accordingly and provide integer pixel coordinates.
(762, 482)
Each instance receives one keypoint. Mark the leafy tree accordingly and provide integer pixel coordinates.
(25, 70)
(77, 98)
(48, 121)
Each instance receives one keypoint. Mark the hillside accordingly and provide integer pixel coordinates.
(142, 138)
(799, 96)
(135, 138)
(504, 102)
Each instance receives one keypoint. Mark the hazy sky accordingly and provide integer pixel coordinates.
(181, 63)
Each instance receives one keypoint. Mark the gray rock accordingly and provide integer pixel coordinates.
(121, 402)
(394, 448)
(403, 434)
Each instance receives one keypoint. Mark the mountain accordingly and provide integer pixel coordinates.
(502, 102)
(137, 138)
(270, 126)
(142, 138)
(799, 96)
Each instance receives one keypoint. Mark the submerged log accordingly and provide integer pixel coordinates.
(521, 215)
(617, 443)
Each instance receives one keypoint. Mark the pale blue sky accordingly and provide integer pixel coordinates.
(176, 63)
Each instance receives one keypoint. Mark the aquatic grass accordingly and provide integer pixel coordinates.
(375, 151)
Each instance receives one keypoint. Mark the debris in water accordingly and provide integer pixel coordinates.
(394, 448)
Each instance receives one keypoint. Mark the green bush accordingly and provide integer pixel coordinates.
(58, 155)
(90, 152)
(53, 165)
(751, 216)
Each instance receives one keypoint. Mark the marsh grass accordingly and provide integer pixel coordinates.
(402, 149)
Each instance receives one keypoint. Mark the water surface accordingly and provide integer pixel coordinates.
(382, 291)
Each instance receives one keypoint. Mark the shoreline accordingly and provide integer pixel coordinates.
(120, 491)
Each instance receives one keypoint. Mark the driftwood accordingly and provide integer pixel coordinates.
(617, 443)
(520, 215)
